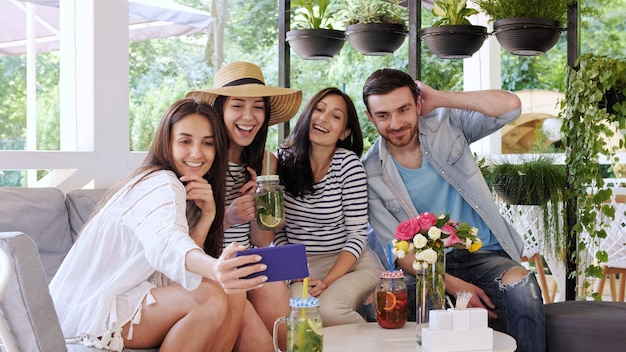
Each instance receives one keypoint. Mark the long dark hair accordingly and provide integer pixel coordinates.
(294, 165)
(159, 157)
(252, 155)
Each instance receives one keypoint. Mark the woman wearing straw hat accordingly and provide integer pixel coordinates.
(248, 107)
(326, 206)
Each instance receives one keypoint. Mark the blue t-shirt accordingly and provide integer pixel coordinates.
(430, 192)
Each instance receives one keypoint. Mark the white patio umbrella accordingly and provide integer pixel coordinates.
(147, 19)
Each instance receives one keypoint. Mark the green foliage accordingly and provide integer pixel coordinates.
(374, 11)
(314, 14)
(534, 180)
(587, 127)
(452, 12)
(499, 9)
(547, 71)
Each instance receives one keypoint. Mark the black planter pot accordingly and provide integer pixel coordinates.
(316, 44)
(376, 39)
(611, 97)
(454, 41)
(527, 36)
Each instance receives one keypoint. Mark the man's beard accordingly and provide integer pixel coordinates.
(404, 140)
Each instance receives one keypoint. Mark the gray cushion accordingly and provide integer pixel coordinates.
(41, 214)
(80, 204)
(585, 326)
(27, 305)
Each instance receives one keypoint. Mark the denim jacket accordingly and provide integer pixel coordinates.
(445, 137)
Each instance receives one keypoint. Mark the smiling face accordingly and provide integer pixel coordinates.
(193, 148)
(243, 118)
(395, 116)
(329, 121)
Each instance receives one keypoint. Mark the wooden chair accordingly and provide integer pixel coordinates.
(526, 219)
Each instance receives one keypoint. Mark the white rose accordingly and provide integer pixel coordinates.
(474, 231)
(420, 241)
(434, 233)
(417, 266)
(429, 256)
(468, 243)
(400, 254)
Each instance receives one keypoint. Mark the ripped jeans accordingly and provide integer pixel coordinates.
(519, 305)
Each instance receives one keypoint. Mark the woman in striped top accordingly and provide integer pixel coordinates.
(326, 206)
(248, 107)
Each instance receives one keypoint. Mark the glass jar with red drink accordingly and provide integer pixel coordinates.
(391, 300)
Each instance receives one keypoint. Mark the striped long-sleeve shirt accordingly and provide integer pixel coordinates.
(333, 218)
(239, 233)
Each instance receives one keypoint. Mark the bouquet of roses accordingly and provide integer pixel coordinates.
(428, 236)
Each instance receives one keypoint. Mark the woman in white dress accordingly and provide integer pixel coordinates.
(149, 269)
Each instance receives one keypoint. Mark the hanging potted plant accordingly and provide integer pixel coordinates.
(537, 181)
(588, 126)
(526, 27)
(453, 36)
(314, 37)
(375, 27)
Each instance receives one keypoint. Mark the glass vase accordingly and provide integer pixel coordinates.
(430, 293)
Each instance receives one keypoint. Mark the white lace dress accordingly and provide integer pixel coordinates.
(106, 275)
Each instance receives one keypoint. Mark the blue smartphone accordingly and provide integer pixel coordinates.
(286, 262)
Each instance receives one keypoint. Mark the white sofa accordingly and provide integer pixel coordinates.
(38, 226)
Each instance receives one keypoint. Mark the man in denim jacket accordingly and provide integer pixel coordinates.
(422, 162)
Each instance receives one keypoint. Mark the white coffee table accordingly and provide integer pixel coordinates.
(368, 337)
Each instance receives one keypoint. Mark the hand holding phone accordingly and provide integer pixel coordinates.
(283, 262)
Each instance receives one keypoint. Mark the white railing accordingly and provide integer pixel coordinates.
(528, 221)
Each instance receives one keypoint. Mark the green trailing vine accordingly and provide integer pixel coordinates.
(587, 125)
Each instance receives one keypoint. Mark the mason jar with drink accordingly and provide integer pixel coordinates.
(391, 300)
(304, 326)
(268, 202)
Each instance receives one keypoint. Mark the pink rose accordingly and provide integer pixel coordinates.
(407, 229)
(453, 238)
(426, 221)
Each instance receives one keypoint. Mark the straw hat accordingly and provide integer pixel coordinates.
(245, 79)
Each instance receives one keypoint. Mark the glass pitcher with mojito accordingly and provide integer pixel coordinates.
(268, 202)
(304, 326)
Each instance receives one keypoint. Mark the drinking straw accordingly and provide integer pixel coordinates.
(305, 286)
(267, 168)
(389, 257)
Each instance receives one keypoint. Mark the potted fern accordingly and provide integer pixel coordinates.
(535, 180)
(453, 36)
(375, 27)
(314, 37)
(526, 27)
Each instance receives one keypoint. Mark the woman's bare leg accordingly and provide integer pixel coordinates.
(272, 302)
(253, 336)
(181, 320)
